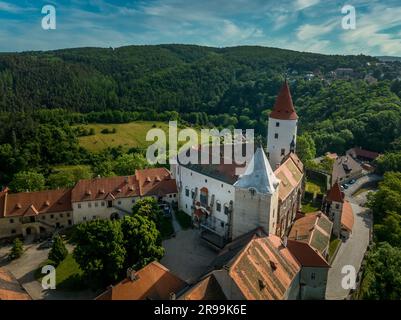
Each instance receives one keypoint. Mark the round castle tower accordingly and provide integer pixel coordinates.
(282, 128)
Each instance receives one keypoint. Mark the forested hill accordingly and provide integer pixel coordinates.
(183, 78)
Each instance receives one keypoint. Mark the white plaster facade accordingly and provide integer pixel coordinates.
(280, 135)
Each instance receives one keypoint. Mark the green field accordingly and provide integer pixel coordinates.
(128, 135)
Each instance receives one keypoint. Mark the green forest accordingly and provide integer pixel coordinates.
(47, 98)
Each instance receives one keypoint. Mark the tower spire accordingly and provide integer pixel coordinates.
(283, 108)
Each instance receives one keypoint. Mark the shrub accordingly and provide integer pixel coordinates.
(17, 249)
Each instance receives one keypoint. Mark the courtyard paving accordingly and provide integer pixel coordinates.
(186, 256)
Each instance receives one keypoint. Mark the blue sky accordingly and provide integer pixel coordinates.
(304, 25)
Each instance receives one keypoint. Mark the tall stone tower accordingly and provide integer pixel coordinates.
(282, 128)
(256, 198)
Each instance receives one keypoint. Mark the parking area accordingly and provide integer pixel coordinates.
(186, 255)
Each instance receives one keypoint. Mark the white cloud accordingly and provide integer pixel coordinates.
(309, 31)
(303, 4)
(371, 34)
(9, 7)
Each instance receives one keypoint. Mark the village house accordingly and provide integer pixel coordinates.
(34, 213)
(345, 168)
(339, 211)
(362, 155)
(225, 205)
(41, 213)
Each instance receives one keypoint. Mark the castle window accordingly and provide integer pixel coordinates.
(226, 209)
(313, 276)
(218, 206)
(204, 195)
(276, 136)
(192, 194)
(337, 206)
(79, 206)
(13, 231)
(282, 152)
(252, 191)
(277, 124)
(89, 205)
(187, 192)
(103, 203)
(11, 220)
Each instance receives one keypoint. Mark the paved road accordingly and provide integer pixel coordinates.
(350, 253)
(24, 270)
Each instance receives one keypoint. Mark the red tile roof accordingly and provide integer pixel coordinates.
(359, 152)
(154, 281)
(290, 175)
(347, 216)
(34, 203)
(146, 182)
(314, 229)
(335, 193)
(265, 269)
(155, 181)
(306, 255)
(283, 108)
(207, 289)
(10, 289)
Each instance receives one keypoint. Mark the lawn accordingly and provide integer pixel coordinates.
(313, 187)
(334, 243)
(68, 274)
(183, 219)
(128, 135)
(308, 207)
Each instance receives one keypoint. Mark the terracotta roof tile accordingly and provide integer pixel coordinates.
(306, 255)
(154, 281)
(265, 269)
(290, 177)
(10, 289)
(283, 108)
(207, 289)
(347, 216)
(335, 193)
(34, 203)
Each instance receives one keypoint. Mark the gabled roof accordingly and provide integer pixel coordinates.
(155, 181)
(283, 108)
(34, 203)
(314, 229)
(306, 255)
(343, 166)
(145, 182)
(10, 289)
(153, 281)
(290, 175)
(207, 289)
(347, 216)
(335, 193)
(263, 269)
(258, 175)
(359, 152)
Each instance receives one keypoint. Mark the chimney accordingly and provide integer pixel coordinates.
(131, 274)
(172, 296)
(285, 240)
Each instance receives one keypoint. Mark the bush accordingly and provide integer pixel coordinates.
(58, 252)
(17, 249)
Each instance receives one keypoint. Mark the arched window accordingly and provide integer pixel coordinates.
(186, 191)
(204, 195)
(226, 209)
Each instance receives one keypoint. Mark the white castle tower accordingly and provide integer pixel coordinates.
(282, 128)
(256, 198)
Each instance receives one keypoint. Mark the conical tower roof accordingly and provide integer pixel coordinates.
(283, 108)
(258, 175)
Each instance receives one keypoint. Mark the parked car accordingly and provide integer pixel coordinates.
(345, 186)
(46, 245)
(352, 181)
